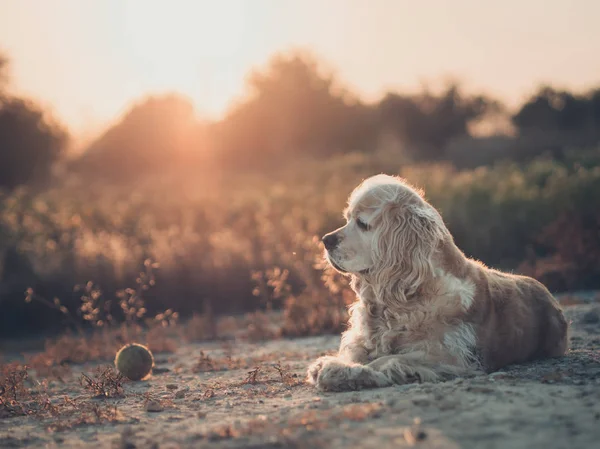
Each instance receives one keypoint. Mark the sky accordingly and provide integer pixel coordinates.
(88, 60)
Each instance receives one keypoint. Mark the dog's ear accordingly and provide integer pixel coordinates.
(405, 243)
(427, 223)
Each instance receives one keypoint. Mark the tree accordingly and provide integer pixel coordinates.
(428, 122)
(293, 107)
(30, 141)
(594, 96)
(555, 110)
(156, 133)
(3, 72)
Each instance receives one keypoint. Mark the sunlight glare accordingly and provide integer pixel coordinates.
(193, 47)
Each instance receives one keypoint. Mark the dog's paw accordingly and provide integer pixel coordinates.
(338, 376)
(315, 368)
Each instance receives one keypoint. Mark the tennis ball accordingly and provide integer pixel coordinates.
(134, 361)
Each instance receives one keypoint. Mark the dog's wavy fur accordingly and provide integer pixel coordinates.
(426, 312)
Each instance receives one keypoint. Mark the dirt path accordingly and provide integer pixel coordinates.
(214, 400)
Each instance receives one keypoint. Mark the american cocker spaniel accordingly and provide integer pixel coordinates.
(426, 312)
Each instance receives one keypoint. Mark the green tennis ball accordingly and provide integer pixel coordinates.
(134, 361)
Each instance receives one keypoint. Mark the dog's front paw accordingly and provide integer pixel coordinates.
(315, 368)
(338, 376)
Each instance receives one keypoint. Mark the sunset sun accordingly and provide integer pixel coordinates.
(197, 48)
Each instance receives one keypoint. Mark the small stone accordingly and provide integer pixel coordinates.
(201, 415)
(154, 406)
(180, 394)
(172, 387)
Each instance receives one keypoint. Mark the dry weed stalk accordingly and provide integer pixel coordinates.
(252, 377)
(106, 384)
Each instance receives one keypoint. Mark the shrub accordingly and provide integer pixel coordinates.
(240, 242)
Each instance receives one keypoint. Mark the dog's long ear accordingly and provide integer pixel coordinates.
(406, 240)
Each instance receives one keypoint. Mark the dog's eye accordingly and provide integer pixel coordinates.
(362, 225)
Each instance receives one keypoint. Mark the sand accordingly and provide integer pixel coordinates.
(207, 395)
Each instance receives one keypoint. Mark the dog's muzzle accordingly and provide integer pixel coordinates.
(330, 240)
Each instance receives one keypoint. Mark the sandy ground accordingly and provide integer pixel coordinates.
(209, 399)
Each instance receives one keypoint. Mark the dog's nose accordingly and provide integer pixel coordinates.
(330, 240)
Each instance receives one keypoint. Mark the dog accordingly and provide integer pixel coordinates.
(425, 312)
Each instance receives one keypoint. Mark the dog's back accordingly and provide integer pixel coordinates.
(517, 320)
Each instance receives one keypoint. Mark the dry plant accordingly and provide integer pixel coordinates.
(288, 378)
(109, 333)
(13, 390)
(16, 399)
(258, 248)
(106, 383)
(252, 377)
(203, 364)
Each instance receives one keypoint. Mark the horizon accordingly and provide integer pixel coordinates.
(108, 54)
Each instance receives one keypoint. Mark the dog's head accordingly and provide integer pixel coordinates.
(390, 235)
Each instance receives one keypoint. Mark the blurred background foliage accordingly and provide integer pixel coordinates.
(231, 210)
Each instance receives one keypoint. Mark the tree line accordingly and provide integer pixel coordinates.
(292, 107)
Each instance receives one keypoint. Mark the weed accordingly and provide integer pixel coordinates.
(288, 378)
(252, 377)
(203, 364)
(106, 383)
(13, 390)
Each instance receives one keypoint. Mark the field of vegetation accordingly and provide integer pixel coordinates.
(164, 216)
(235, 242)
(201, 239)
